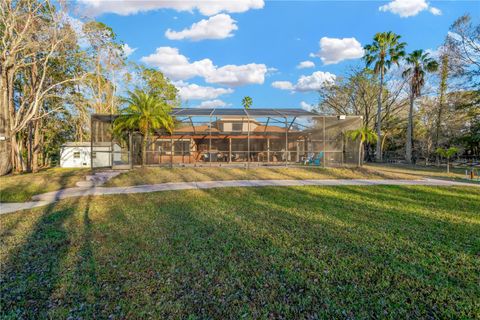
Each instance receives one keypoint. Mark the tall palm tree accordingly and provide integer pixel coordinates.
(145, 113)
(418, 63)
(385, 50)
(247, 102)
(364, 134)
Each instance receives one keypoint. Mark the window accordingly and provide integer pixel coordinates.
(237, 126)
(164, 147)
(76, 155)
(181, 147)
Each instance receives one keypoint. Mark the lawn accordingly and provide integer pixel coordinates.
(21, 187)
(390, 252)
(152, 175)
(456, 174)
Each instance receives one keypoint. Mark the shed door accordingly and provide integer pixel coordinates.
(77, 157)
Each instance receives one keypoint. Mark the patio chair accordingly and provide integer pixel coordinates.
(309, 158)
(316, 159)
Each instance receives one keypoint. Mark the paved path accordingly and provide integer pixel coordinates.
(50, 197)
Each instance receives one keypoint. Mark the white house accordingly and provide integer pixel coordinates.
(79, 155)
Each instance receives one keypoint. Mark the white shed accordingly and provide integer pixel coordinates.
(79, 155)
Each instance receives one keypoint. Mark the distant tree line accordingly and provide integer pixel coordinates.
(55, 72)
(416, 102)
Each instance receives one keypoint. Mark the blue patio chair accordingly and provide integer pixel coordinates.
(309, 158)
(318, 159)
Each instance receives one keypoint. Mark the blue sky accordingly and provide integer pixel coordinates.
(242, 49)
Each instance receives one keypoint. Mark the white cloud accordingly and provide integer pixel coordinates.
(313, 82)
(306, 64)
(220, 26)
(306, 106)
(191, 91)
(435, 11)
(272, 70)
(335, 50)
(207, 8)
(177, 67)
(408, 8)
(234, 75)
(212, 104)
(127, 49)
(283, 85)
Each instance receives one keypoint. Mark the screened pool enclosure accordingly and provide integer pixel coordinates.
(207, 137)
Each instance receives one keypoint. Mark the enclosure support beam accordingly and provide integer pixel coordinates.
(171, 151)
(190, 151)
(210, 140)
(286, 141)
(291, 123)
(91, 144)
(266, 125)
(229, 150)
(112, 149)
(193, 126)
(268, 149)
(324, 144)
(297, 157)
(130, 148)
(248, 142)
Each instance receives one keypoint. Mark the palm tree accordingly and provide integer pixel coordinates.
(447, 153)
(145, 113)
(365, 134)
(247, 102)
(418, 63)
(385, 50)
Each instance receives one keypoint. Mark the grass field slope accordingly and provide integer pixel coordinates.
(290, 252)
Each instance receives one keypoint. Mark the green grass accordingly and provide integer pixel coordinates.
(152, 175)
(300, 252)
(456, 174)
(21, 187)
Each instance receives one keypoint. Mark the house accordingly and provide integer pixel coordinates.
(227, 136)
(79, 155)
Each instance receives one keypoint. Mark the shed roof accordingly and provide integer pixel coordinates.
(86, 144)
(77, 144)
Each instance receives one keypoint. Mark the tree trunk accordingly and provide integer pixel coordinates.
(448, 165)
(441, 102)
(360, 156)
(384, 138)
(16, 161)
(42, 152)
(17, 154)
(144, 150)
(378, 155)
(29, 147)
(409, 144)
(5, 142)
(36, 146)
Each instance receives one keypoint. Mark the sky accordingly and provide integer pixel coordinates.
(277, 52)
